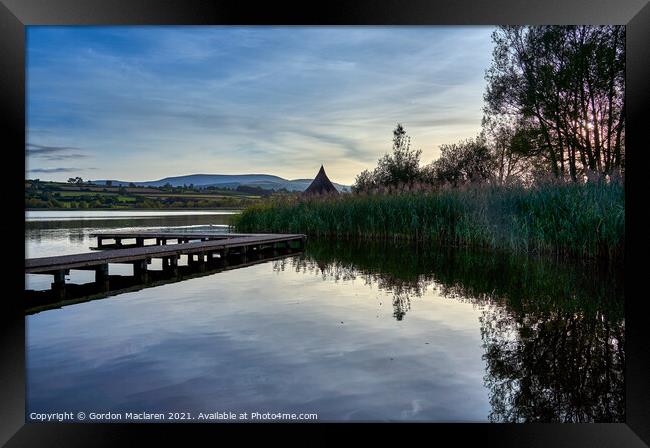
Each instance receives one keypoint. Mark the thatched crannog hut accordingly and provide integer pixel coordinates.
(321, 184)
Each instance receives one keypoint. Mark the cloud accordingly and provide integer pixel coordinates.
(41, 150)
(59, 170)
(146, 103)
(57, 157)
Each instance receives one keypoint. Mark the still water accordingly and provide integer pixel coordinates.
(347, 330)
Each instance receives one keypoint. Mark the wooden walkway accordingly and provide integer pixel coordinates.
(37, 301)
(161, 238)
(140, 256)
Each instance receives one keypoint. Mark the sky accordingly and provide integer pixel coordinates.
(144, 103)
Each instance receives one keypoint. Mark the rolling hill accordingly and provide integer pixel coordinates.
(229, 181)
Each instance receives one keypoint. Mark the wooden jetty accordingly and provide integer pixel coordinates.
(207, 248)
(140, 239)
(38, 301)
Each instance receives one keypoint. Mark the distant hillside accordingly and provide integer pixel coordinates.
(229, 181)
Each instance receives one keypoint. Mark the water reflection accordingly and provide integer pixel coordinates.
(112, 222)
(41, 300)
(553, 333)
(76, 235)
(554, 366)
(351, 331)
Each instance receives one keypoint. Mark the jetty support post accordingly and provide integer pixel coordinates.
(101, 272)
(101, 276)
(59, 276)
(199, 263)
(140, 269)
(58, 285)
(170, 261)
(170, 264)
(243, 253)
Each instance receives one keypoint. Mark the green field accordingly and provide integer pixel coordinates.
(58, 195)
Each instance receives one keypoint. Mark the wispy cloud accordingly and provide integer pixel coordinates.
(146, 103)
(41, 155)
(59, 157)
(58, 170)
(41, 150)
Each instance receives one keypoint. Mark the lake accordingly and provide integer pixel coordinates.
(347, 330)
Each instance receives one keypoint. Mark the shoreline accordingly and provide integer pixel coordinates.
(131, 209)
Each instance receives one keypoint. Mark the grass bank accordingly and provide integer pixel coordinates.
(584, 220)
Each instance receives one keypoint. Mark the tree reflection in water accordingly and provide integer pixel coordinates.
(553, 332)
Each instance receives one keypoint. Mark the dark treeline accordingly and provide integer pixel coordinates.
(553, 333)
(554, 107)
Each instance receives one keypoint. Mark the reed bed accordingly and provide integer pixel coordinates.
(584, 220)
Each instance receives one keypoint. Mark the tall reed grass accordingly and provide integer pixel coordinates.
(585, 220)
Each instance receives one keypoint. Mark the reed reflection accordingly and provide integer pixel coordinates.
(553, 332)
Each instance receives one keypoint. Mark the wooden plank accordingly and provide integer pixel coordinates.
(159, 279)
(126, 255)
(141, 237)
(170, 235)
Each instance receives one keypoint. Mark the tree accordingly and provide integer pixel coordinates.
(469, 161)
(401, 167)
(35, 185)
(567, 84)
(365, 181)
(511, 146)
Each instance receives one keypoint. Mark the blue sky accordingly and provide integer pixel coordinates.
(143, 103)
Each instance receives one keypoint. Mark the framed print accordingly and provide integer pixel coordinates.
(325, 218)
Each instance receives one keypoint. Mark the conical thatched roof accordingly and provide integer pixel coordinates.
(321, 184)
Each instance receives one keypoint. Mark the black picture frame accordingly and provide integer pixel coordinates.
(15, 15)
